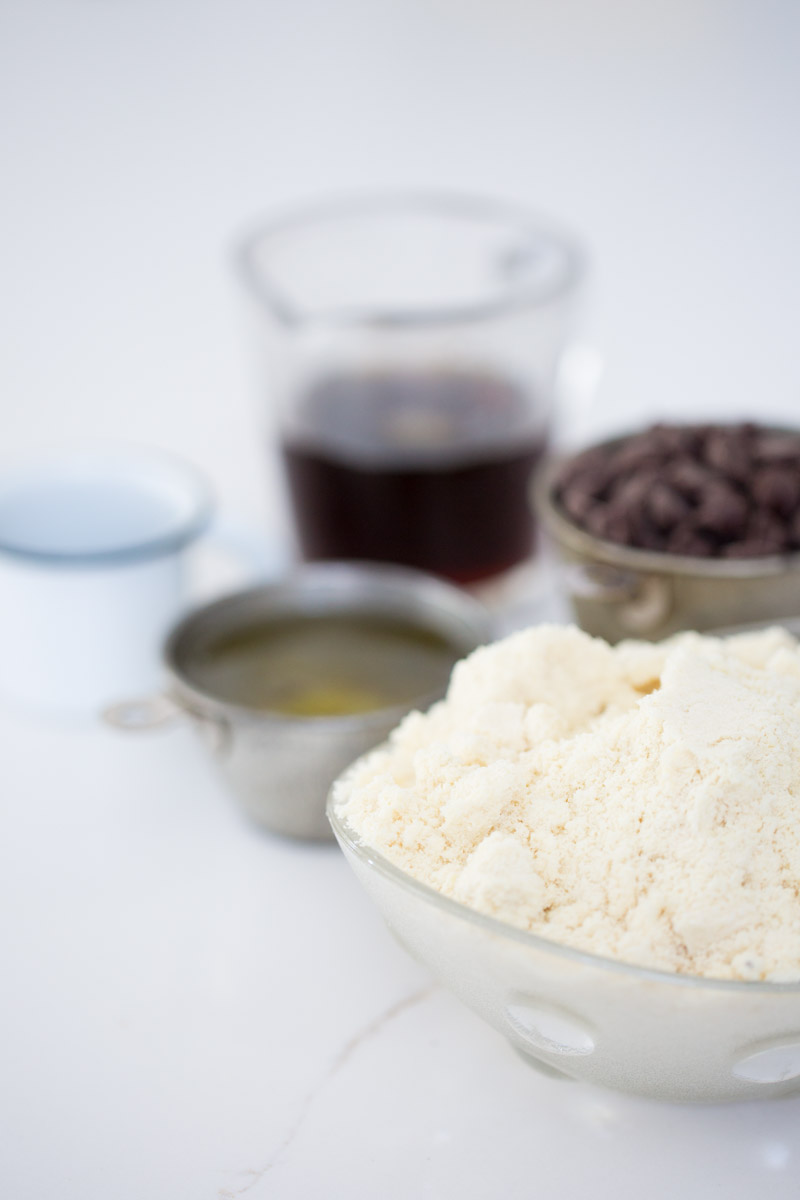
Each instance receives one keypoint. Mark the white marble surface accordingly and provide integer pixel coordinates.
(191, 1010)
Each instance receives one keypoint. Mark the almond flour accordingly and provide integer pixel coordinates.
(639, 802)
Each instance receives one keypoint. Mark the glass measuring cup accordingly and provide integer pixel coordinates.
(411, 345)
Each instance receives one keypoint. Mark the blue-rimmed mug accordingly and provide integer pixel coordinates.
(92, 571)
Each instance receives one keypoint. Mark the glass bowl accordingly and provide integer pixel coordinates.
(579, 1016)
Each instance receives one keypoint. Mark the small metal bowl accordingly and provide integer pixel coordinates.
(618, 592)
(281, 767)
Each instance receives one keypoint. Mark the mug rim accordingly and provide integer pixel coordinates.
(81, 463)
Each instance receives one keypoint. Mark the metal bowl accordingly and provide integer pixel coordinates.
(280, 767)
(618, 592)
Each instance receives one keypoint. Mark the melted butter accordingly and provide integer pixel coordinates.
(324, 666)
(331, 700)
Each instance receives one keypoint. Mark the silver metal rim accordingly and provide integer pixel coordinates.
(327, 587)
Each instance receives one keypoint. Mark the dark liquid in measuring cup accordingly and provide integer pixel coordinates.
(431, 470)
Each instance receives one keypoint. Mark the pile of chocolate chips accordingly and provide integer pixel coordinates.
(728, 491)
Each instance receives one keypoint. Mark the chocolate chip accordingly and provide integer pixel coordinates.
(631, 491)
(681, 440)
(728, 451)
(606, 522)
(688, 477)
(636, 455)
(577, 503)
(594, 478)
(777, 488)
(767, 529)
(644, 532)
(619, 527)
(686, 539)
(583, 464)
(722, 510)
(777, 447)
(651, 538)
(666, 506)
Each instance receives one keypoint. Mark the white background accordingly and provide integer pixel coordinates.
(190, 1009)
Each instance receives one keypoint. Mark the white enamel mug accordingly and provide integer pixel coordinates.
(92, 572)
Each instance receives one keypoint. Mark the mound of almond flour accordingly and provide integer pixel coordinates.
(640, 802)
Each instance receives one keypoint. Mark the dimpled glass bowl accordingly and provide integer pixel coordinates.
(578, 1016)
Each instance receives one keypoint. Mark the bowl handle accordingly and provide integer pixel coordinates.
(162, 710)
(597, 581)
(142, 714)
(644, 601)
